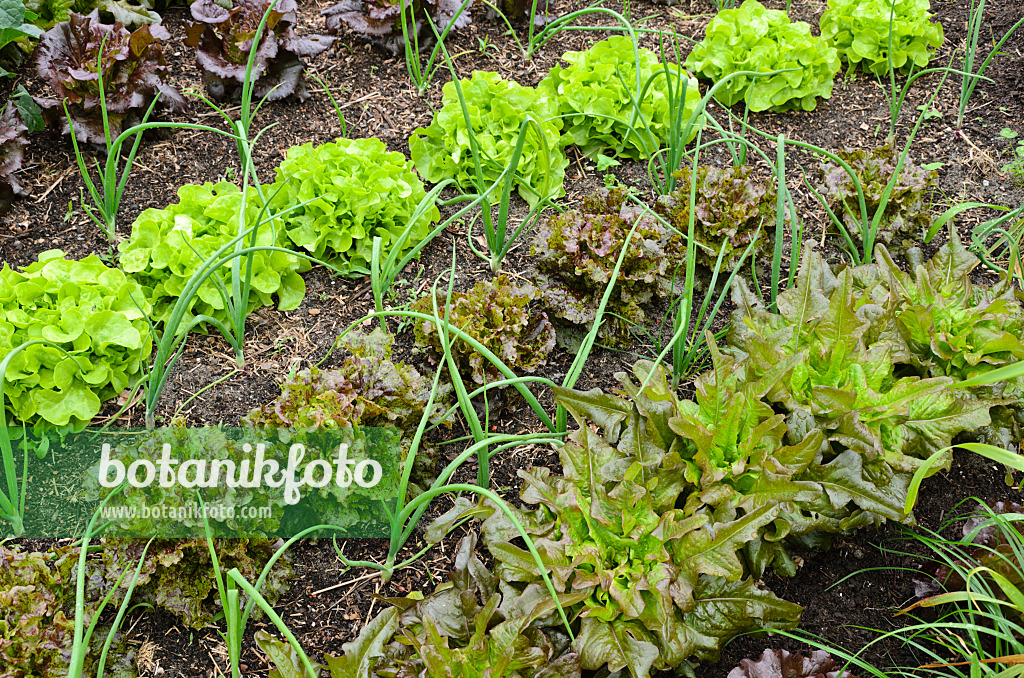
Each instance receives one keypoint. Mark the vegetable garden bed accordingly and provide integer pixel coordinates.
(778, 474)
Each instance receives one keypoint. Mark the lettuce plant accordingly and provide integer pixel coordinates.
(48, 13)
(224, 40)
(835, 343)
(627, 527)
(860, 30)
(94, 313)
(496, 314)
(732, 209)
(380, 21)
(782, 664)
(953, 327)
(905, 215)
(576, 252)
(367, 390)
(358, 190)
(12, 151)
(472, 626)
(132, 69)
(16, 26)
(176, 575)
(497, 109)
(597, 91)
(167, 246)
(752, 38)
(35, 635)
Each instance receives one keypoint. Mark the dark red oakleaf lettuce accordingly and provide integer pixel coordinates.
(12, 150)
(224, 39)
(731, 208)
(782, 664)
(380, 20)
(133, 69)
(576, 254)
(494, 313)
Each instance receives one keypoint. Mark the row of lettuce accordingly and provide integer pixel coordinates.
(600, 100)
(98, 323)
(666, 511)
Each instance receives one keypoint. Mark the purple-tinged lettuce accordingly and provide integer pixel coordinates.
(367, 390)
(12, 151)
(576, 252)
(905, 216)
(496, 314)
(782, 664)
(132, 68)
(35, 636)
(177, 575)
(380, 21)
(732, 209)
(224, 38)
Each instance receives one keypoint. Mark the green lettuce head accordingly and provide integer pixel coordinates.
(752, 38)
(859, 29)
(597, 91)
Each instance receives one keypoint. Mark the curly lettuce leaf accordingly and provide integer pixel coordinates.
(496, 108)
(752, 38)
(597, 92)
(97, 315)
(576, 253)
(905, 216)
(35, 635)
(732, 209)
(167, 246)
(860, 31)
(177, 573)
(356, 190)
(496, 314)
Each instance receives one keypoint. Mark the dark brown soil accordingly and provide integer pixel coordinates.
(326, 606)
